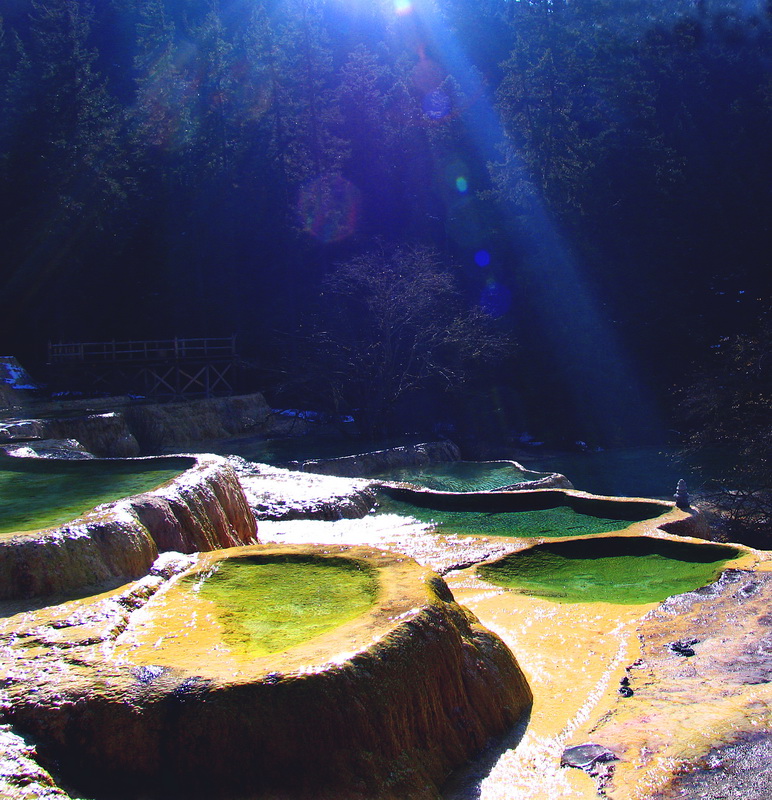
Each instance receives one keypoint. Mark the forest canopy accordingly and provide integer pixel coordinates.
(600, 171)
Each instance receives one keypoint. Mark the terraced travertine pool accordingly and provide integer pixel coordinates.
(268, 605)
(461, 476)
(622, 570)
(558, 521)
(40, 493)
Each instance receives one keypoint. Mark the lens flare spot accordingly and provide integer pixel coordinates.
(461, 184)
(482, 258)
(495, 299)
(328, 207)
(427, 74)
(403, 7)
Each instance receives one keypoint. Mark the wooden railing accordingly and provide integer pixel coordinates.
(148, 350)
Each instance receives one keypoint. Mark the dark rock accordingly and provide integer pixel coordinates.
(585, 756)
(682, 647)
(681, 495)
(368, 464)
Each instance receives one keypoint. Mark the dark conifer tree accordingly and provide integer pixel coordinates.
(66, 171)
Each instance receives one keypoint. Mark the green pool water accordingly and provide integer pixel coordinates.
(460, 476)
(40, 493)
(625, 571)
(270, 605)
(559, 521)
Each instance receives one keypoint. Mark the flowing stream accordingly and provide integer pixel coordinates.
(571, 655)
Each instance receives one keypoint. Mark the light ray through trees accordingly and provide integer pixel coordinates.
(608, 397)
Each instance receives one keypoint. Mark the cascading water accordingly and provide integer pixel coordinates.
(571, 655)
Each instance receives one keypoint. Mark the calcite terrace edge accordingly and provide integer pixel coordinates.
(204, 508)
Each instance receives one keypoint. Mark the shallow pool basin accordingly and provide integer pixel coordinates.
(462, 476)
(521, 514)
(625, 570)
(259, 605)
(40, 493)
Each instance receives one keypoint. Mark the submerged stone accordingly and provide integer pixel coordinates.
(683, 647)
(585, 756)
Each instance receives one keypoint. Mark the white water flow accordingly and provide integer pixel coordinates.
(573, 656)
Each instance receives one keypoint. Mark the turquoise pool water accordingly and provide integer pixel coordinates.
(460, 476)
(267, 605)
(559, 521)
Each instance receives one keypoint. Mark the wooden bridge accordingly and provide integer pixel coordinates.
(172, 368)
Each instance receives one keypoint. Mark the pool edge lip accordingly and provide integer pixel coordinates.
(404, 590)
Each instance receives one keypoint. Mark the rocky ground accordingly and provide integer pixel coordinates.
(739, 770)
(698, 700)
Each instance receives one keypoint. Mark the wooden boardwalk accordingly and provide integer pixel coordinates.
(170, 368)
